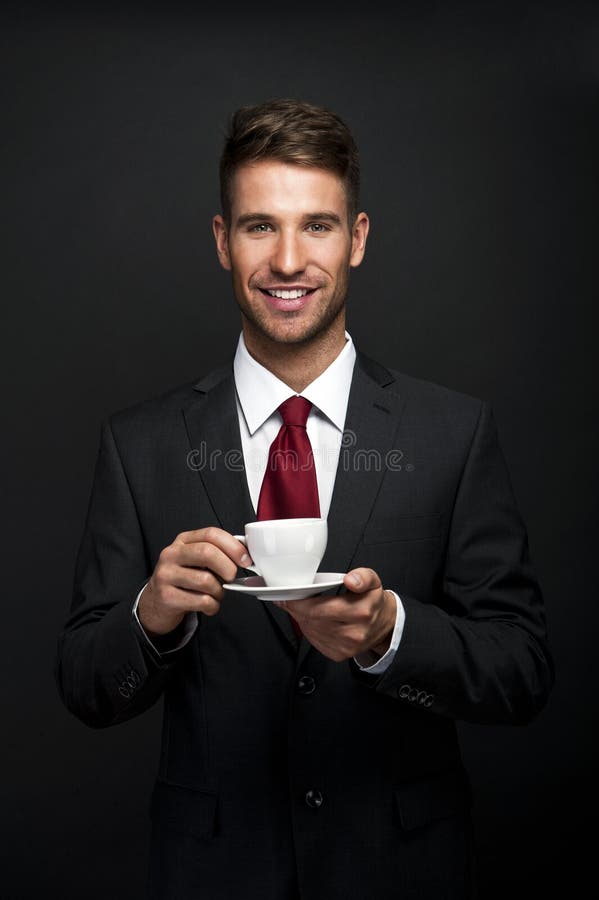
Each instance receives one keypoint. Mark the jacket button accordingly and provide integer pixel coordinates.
(314, 799)
(429, 700)
(421, 698)
(412, 695)
(306, 685)
(403, 691)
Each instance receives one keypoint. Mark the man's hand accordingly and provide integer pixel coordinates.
(188, 577)
(349, 624)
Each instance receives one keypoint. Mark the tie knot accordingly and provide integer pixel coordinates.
(295, 411)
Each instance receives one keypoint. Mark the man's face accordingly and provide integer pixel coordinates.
(289, 248)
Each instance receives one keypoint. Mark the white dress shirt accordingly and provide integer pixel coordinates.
(259, 394)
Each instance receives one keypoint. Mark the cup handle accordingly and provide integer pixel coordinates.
(242, 539)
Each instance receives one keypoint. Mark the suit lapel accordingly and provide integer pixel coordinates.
(213, 429)
(372, 421)
(371, 424)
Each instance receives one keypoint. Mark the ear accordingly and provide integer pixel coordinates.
(221, 236)
(359, 234)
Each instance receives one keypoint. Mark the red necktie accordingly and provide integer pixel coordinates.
(289, 489)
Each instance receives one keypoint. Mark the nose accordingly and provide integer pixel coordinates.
(288, 256)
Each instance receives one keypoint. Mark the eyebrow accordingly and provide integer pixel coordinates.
(319, 216)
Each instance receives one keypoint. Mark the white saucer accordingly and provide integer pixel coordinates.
(254, 585)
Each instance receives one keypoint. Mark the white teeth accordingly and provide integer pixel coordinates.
(288, 295)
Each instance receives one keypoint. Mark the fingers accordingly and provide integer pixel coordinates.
(344, 625)
(163, 606)
(332, 608)
(190, 541)
(197, 581)
(179, 601)
(188, 577)
(206, 548)
(201, 555)
(340, 608)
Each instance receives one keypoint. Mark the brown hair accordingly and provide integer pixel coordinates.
(295, 132)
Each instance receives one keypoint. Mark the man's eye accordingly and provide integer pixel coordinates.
(317, 227)
(261, 227)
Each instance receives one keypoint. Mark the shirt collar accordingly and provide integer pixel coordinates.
(261, 393)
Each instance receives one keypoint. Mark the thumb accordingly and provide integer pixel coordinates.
(358, 580)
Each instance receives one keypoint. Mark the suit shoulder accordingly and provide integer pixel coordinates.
(162, 407)
(419, 391)
(436, 394)
(440, 410)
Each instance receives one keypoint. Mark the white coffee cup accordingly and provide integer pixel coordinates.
(286, 552)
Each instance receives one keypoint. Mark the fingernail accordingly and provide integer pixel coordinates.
(245, 559)
(355, 580)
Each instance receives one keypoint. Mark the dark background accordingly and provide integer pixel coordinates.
(479, 135)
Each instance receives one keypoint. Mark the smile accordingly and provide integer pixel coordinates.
(288, 300)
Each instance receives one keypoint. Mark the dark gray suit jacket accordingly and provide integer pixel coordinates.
(284, 774)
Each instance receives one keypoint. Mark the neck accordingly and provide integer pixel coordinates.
(297, 365)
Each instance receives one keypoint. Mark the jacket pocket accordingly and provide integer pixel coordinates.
(419, 803)
(184, 809)
(402, 528)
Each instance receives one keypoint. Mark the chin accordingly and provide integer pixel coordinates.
(300, 334)
(295, 329)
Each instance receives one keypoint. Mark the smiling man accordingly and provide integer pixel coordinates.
(309, 747)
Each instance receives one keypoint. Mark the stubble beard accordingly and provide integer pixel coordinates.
(269, 328)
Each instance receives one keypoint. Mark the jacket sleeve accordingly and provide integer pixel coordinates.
(106, 669)
(478, 652)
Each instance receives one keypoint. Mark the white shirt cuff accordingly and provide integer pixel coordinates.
(190, 623)
(381, 664)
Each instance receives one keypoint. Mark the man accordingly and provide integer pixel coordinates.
(309, 748)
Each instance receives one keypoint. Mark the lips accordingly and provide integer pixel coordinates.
(288, 299)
